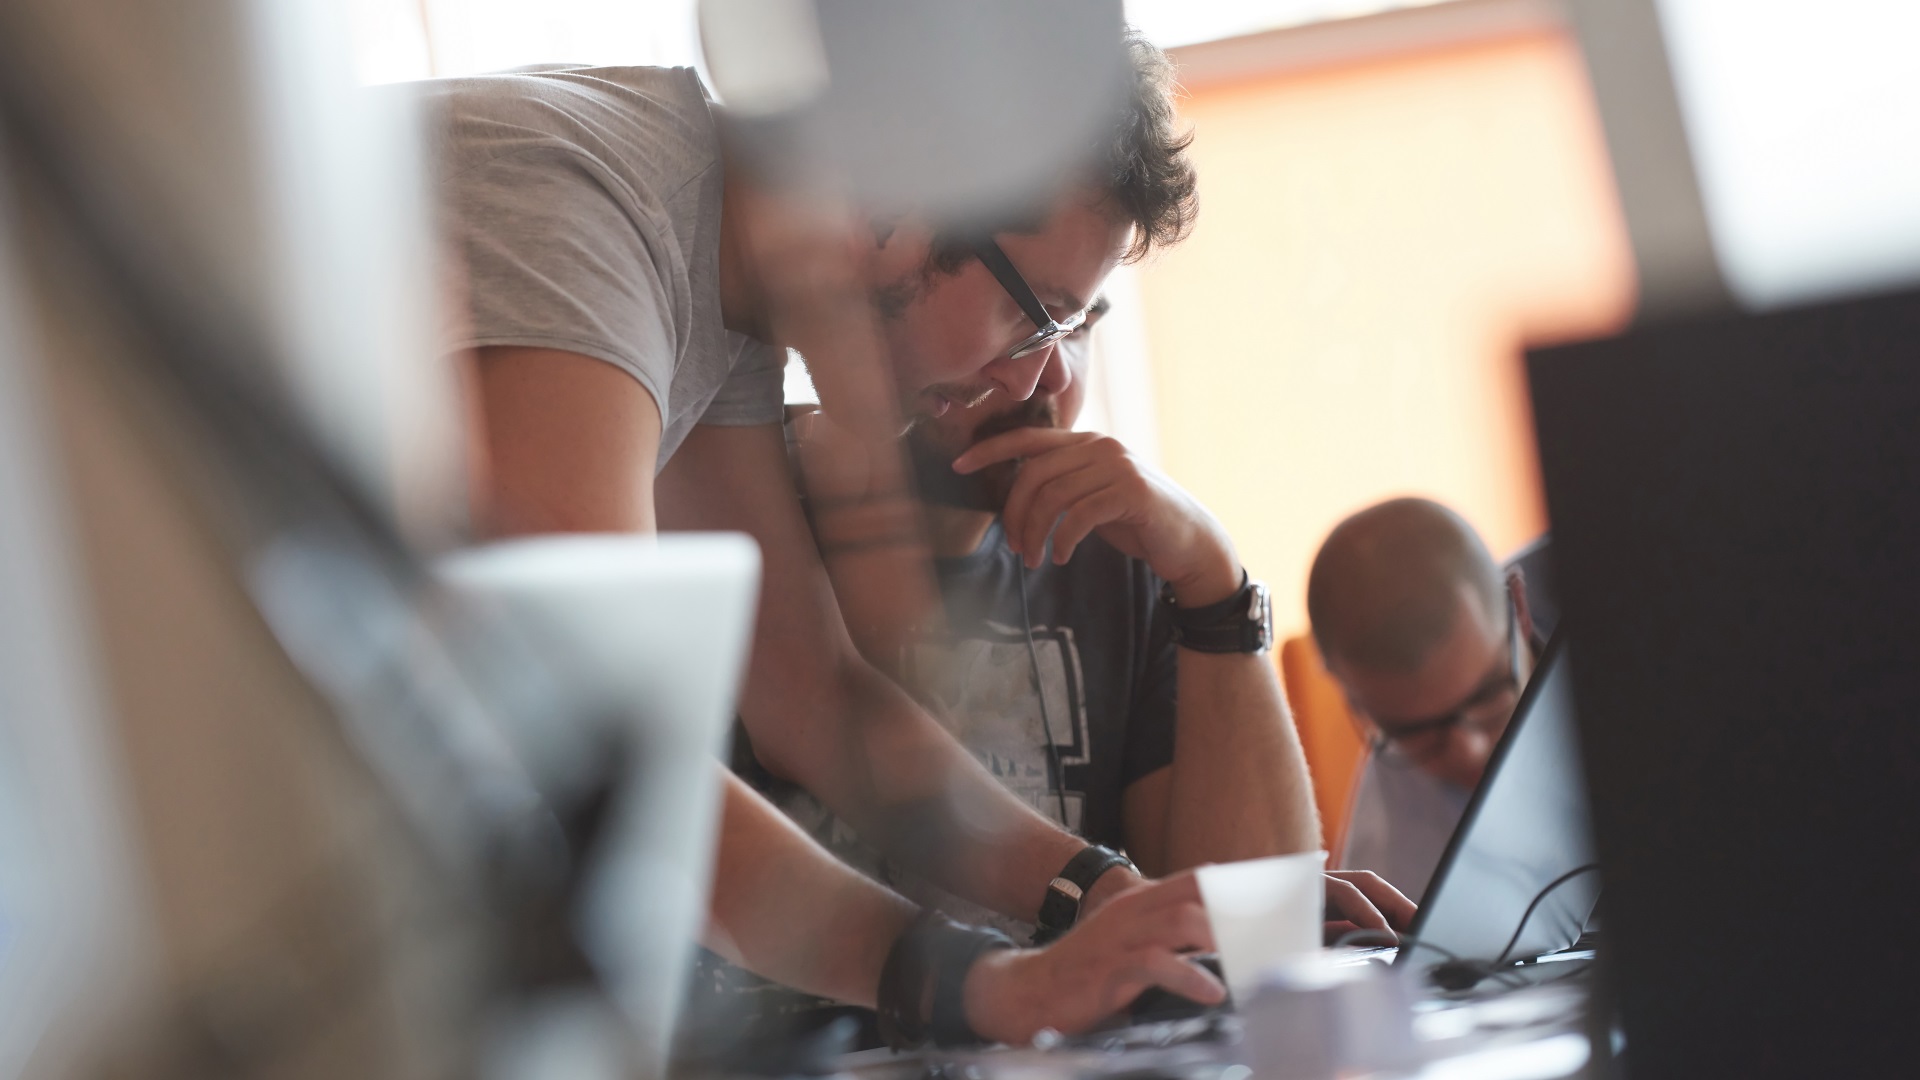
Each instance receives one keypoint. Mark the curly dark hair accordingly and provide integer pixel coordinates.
(1142, 164)
(1148, 175)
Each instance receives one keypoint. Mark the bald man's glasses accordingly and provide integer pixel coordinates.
(1049, 329)
(1490, 705)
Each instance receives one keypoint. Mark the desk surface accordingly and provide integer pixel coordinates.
(1529, 1033)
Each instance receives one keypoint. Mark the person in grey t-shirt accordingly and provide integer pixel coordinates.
(1063, 678)
(626, 285)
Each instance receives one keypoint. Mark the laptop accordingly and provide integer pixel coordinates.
(1519, 880)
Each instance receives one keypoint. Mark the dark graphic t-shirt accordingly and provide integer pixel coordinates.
(1107, 663)
(1105, 657)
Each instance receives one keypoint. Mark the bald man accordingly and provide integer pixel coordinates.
(1431, 640)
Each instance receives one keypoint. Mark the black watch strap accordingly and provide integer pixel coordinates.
(1069, 887)
(1241, 623)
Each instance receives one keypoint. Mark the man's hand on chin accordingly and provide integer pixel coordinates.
(1075, 483)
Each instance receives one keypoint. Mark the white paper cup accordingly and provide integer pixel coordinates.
(1264, 912)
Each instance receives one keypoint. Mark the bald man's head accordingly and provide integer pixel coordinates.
(1387, 586)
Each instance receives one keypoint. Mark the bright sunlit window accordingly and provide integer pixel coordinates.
(1168, 23)
(416, 39)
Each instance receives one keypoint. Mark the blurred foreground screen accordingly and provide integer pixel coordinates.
(954, 108)
(1767, 152)
(1804, 118)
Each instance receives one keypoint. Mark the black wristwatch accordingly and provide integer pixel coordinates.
(1061, 908)
(1242, 623)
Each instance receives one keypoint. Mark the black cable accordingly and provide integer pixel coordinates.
(1057, 775)
(1458, 973)
(1537, 898)
(1406, 942)
(1454, 960)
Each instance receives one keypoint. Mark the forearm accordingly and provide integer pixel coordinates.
(872, 540)
(887, 768)
(1239, 787)
(786, 909)
(826, 720)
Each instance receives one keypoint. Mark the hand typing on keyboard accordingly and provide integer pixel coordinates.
(1362, 900)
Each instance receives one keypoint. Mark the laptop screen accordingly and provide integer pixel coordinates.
(1518, 880)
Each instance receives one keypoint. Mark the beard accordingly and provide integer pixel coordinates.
(988, 488)
(1036, 411)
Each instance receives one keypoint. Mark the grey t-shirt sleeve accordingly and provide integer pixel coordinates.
(755, 390)
(551, 262)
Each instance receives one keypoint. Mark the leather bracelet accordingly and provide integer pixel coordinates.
(958, 947)
(1068, 890)
(922, 992)
(902, 1003)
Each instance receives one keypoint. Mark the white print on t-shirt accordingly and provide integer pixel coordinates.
(982, 689)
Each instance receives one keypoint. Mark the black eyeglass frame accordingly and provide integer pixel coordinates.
(1049, 329)
(1381, 741)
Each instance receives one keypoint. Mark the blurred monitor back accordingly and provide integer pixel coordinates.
(1766, 154)
(1736, 516)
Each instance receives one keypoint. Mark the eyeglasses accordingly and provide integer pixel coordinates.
(1487, 708)
(1050, 329)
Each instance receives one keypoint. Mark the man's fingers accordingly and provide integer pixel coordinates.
(1183, 928)
(1184, 977)
(1180, 888)
(1390, 902)
(1034, 474)
(1084, 517)
(1018, 443)
(1333, 930)
(1169, 913)
(1351, 904)
(1055, 497)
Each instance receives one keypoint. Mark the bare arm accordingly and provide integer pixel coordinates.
(871, 540)
(1238, 786)
(821, 716)
(570, 444)
(831, 929)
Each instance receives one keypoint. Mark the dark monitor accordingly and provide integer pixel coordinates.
(1736, 518)
(1518, 878)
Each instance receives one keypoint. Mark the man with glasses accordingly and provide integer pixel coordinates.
(1432, 643)
(1058, 651)
(631, 292)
